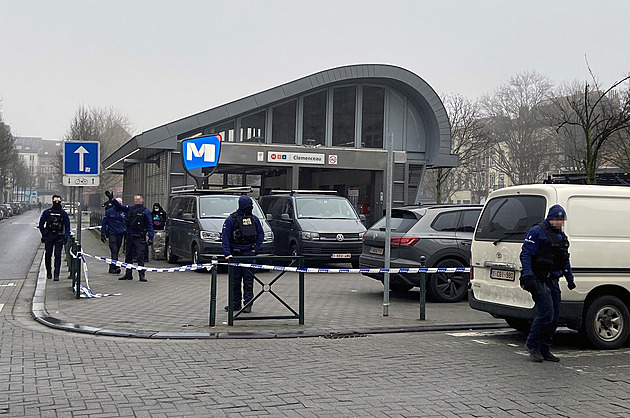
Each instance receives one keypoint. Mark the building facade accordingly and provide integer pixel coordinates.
(325, 131)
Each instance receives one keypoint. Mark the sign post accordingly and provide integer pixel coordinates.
(200, 156)
(81, 167)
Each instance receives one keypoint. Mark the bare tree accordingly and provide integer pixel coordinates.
(619, 150)
(8, 158)
(589, 118)
(469, 141)
(524, 146)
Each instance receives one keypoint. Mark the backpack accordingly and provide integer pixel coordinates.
(244, 231)
(136, 219)
(55, 223)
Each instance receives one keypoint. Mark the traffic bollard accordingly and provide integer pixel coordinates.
(423, 289)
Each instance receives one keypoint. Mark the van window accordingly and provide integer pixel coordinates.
(324, 208)
(508, 218)
(222, 206)
(402, 221)
(179, 206)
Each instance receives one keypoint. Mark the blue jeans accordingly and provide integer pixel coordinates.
(547, 302)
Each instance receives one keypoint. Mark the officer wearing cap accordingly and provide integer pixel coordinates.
(113, 227)
(545, 258)
(54, 225)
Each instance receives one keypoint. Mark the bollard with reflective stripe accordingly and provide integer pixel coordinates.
(301, 291)
(423, 290)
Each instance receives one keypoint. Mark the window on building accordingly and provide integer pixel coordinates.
(283, 123)
(344, 103)
(226, 130)
(501, 180)
(253, 128)
(314, 121)
(373, 117)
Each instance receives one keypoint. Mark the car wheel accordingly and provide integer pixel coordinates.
(521, 325)
(400, 287)
(607, 322)
(170, 257)
(195, 258)
(448, 287)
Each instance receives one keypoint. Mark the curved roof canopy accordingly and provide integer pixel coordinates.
(414, 87)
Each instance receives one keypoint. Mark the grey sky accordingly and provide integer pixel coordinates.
(160, 60)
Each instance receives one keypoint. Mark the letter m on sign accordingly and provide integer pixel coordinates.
(201, 152)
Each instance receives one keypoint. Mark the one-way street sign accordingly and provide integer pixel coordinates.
(81, 158)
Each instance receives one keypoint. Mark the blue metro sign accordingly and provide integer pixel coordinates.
(81, 158)
(201, 152)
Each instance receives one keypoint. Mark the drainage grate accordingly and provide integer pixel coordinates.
(340, 335)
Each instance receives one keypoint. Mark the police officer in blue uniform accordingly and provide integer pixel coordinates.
(54, 225)
(545, 258)
(139, 224)
(242, 235)
(113, 227)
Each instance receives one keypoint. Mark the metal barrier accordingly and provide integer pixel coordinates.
(96, 218)
(266, 288)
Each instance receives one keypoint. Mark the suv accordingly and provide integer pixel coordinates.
(440, 233)
(195, 221)
(318, 226)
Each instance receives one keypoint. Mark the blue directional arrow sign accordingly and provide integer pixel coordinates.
(81, 158)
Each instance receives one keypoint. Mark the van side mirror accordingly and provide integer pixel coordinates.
(362, 217)
(285, 217)
(187, 216)
(269, 217)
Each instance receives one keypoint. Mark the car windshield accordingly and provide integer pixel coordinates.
(325, 208)
(402, 221)
(223, 206)
(508, 218)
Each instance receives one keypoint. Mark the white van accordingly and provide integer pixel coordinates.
(598, 228)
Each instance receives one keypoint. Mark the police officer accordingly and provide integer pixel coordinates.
(545, 258)
(54, 224)
(242, 235)
(113, 227)
(139, 225)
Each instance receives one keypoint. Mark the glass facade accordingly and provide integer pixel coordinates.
(373, 117)
(314, 120)
(344, 104)
(283, 123)
(253, 128)
(226, 130)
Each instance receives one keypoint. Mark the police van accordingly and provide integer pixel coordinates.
(598, 228)
(195, 222)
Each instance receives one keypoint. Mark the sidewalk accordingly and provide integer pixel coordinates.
(176, 305)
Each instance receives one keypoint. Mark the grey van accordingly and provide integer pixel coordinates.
(320, 227)
(195, 221)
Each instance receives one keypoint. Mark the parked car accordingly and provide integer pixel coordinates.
(598, 229)
(17, 209)
(8, 209)
(440, 233)
(195, 221)
(321, 227)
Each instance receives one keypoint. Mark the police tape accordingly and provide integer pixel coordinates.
(191, 267)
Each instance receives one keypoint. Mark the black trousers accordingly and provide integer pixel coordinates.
(53, 243)
(136, 248)
(246, 277)
(115, 242)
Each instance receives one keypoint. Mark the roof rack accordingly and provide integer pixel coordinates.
(294, 192)
(189, 188)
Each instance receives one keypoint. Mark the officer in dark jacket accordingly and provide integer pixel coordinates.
(139, 225)
(545, 258)
(113, 227)
(242, 235)
(54, 224)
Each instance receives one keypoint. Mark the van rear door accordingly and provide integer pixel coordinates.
(497, 244)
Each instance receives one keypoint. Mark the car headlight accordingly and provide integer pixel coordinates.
(268, 237)
(361, 235)
(210, 236)
(309, 235)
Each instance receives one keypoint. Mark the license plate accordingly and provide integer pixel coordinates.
(336, 256)
(502, 274)
(376, 250)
